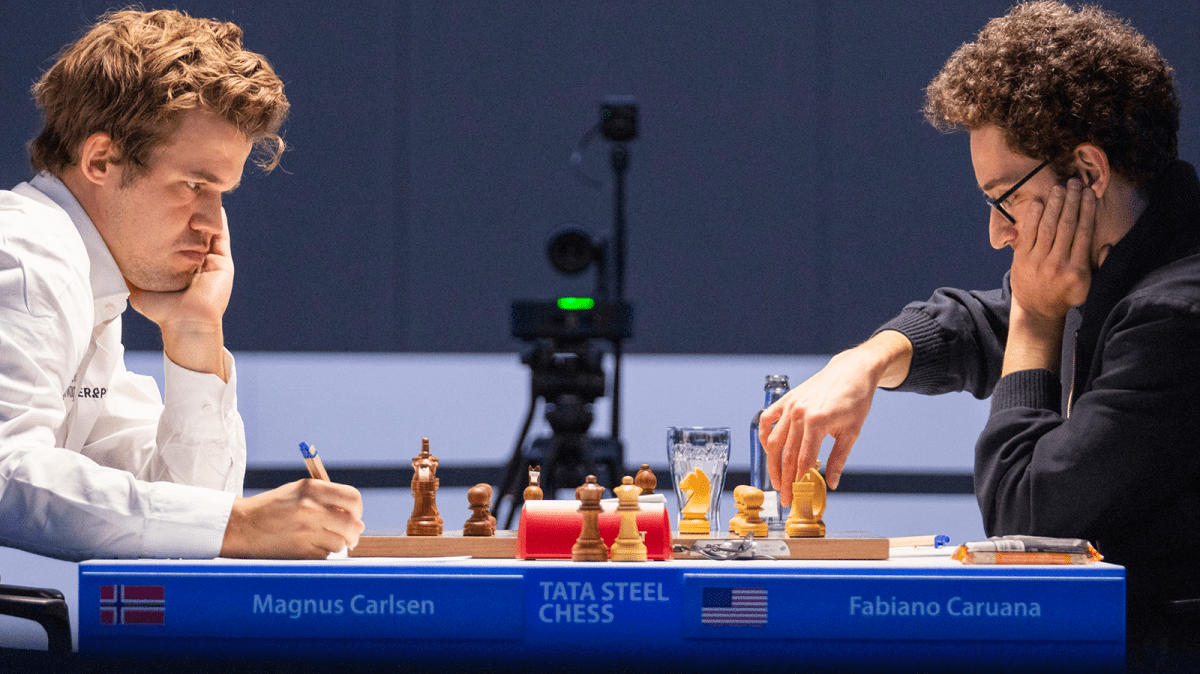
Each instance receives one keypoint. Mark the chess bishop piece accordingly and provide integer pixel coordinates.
(481, 522)
(425, 519)
(589, 547)
(628, 546)
(808, 504)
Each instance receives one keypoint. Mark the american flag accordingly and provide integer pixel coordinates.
(734, 606)
(132, 605)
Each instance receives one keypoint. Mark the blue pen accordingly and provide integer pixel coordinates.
(316, 470)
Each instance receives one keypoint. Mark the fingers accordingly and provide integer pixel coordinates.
(1064, 234)
(1044, 232)
(837, 458)
(1081, 247)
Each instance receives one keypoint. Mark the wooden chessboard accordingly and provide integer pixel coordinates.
(451, 544)
(812, 548)
(504, 546)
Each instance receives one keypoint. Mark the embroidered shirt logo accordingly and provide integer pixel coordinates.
(74, 391)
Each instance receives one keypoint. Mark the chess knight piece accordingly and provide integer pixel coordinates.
(629, 546)
(808, 504)
(481, 523)
(589, 547)
(534, 491)
(425, 520)
(693, 516)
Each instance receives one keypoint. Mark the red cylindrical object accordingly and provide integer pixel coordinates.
(548, 529)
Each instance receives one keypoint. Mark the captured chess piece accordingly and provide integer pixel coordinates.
(628, 546)
(533, 492)
(481, 522)
(425, 520)
(589, 547)
(738, 521)
(693, 516)
(808, 504)
(646, 480)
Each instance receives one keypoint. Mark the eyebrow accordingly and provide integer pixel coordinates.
(208, 177)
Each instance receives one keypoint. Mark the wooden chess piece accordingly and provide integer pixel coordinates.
(534, 491)
(481, 522)
(589, 547)
(738, 521)
(646, 480)
(754, 523)
(425, 519)
(693, 516)
(808, 504)
(628, 546)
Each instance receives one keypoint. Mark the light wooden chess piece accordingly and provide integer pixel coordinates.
(589, 547)
(646, 480)
(693, 516)
(533, 492)
(481, 522)
(738, 521)
(425, 519)
(808, 504)
(629, 546)
(753, 522)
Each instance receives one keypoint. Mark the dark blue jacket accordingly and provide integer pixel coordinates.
(1111, 452)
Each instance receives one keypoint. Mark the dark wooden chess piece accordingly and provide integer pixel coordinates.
(425, 519)
(646, 480)
(589, 547)
(534, 491)
(481, 522)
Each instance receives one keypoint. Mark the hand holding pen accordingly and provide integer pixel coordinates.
(305, 519)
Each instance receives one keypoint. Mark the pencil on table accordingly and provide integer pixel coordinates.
(316, 470)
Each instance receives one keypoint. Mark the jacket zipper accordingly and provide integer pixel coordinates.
(1071, 391)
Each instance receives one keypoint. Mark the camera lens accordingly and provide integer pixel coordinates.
(571, 251)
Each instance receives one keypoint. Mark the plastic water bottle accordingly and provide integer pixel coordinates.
(776, 386)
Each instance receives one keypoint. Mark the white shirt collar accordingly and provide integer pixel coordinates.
(108, 285)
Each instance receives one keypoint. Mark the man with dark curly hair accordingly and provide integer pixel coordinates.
(1090, 350)
(150, 119)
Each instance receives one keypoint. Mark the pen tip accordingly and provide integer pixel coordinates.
(307, 450)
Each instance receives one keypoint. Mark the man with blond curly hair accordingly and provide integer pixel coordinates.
(150, 118)
(1090, 349)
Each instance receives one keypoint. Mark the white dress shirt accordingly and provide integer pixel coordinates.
(92, 463)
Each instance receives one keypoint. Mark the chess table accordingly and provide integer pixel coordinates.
(918, 611)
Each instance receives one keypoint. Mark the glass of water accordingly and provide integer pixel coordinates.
(698, 457)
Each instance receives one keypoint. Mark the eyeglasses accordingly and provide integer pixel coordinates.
(995, 203)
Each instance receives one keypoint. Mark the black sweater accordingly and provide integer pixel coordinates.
(1110, 453)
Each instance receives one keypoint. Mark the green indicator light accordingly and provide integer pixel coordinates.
(575, 303)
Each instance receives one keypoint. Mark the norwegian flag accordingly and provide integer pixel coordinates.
(132, 605)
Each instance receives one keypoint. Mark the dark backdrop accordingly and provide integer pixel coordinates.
(784, 196)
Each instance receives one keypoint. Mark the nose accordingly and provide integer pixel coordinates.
(1001, 232)
(207, 216)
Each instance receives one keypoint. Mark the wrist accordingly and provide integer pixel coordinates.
(1034, 341)
(199, 347)
(886, 357)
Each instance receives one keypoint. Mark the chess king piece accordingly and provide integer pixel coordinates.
(753, 521)
(425, 520)
(646, 480)
(693, 516)
(481, 522)
(534, 491)
(628, 546)
(808, 504)
(589, 547)
(738, 521)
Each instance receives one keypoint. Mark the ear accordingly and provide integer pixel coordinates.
(1091, 162)
(98, 159)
